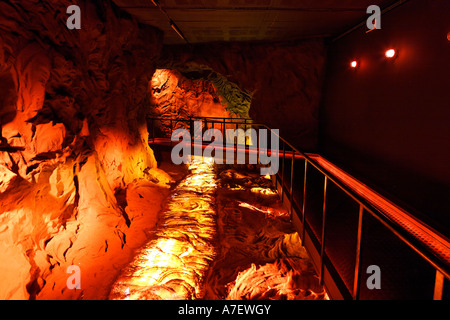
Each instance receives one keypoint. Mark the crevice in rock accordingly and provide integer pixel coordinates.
(121, 197)
(33, 287)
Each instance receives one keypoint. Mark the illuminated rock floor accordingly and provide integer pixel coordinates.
(223, 235)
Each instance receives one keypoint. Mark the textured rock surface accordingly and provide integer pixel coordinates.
(176, 96)
(284, 80)
(79, 183)
(73, 106)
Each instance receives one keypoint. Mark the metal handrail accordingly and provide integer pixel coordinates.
(244, 120)
(214, 120)
(222, 118)
(442, 268)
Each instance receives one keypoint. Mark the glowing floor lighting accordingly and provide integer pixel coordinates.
(172, 266)
(194, 247)
(276, 280)
(266, 191)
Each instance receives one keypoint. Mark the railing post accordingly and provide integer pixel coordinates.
(245, 136)
(282, 172)
(322, 247)
(224, 131)
(171, 131)
(304, 202)
(357, 278)
(291, 195)
(259, 150)
(237, 136)
(191, 129)
(438, 286)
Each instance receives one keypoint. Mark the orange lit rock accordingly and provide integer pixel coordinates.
(7, 178)
(286, 279)
(49, 137)
(73, 104)
(14, 272)
(175, 96)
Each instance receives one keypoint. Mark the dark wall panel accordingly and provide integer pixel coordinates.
(388, 122)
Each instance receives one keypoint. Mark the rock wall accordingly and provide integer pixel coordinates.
(175, 96)
(79, 184)
(74, 139)
(284, 80)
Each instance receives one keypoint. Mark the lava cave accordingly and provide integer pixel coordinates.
(95, 94)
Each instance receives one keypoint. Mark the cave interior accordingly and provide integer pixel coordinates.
(82, 185)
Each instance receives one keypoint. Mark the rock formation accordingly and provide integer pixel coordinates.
(73, 106)
(79, 184)
(177, 97)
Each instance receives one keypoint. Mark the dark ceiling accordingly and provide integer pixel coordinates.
(249, 20)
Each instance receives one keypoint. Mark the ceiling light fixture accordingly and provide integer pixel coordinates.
(354, 64)
(390, 53)
(171, 22)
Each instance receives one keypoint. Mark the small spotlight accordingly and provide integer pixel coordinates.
(354, 64)
(391, 53)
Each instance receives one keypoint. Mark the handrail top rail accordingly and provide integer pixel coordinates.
(211, 119)
(232, 118)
